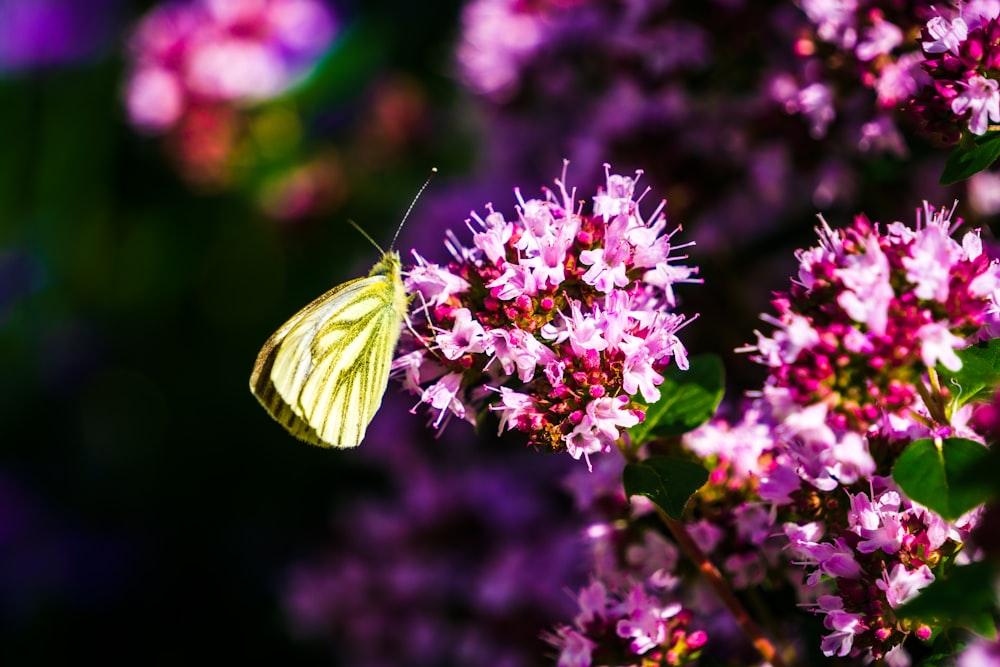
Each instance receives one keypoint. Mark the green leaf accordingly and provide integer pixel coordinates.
(964, 162)
(933, 476)
(687, 399)
(979, 375)
(964, 598)
(669, 482)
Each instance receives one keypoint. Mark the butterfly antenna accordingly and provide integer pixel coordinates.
(366, 235)
(412, 204)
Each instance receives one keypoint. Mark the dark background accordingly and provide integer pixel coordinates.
(148, 505)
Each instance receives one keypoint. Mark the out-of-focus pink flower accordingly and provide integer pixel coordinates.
(209, 51)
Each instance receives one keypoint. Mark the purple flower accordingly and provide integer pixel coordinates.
(549, 319)
(870, 310)
(879, 39)
(945, 35)
(981, 98)
(843, 626)
(903, 584)
(835, 19)
(879, 523)
(575, 648)
(961, 62)
(637, 621)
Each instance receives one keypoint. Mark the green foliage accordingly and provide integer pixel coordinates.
(979, 375)
(688, 399)
(669, 482)
(965, 161)
(934, 475)
(964, 598)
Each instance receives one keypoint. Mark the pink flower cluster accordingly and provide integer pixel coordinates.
(853, 553)
(876, 549)
(636, 610)
(211, 51)
(870, 313)
(727, 519)
(557, 320)
(963, 61)
(637, 622)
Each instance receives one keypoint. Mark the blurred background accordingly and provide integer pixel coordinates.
(176, 180)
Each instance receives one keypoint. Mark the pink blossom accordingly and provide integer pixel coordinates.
(466, 337)
(643, 622)
(981, 98)
(754, 522)
(930, 261)
(901, 79)
(834, 19)
(844, 627)
(879, 523)
(607, 267)
(945, 35)
(583, 333)
(816, 102)
(742, 444)
(442, 396)
(435, 284)
(616, 200)
(593, 601)
(518, 352)
(665, 276)
(517, 279)
(838, 561)
(745, 570)
(499, 35)
(607, 415)
(513, 406)
(901, 584)
(778, 483)
(494, 237)
(938, 344)
(979, 652)
(879, 39)
(576, 649)
(978, 12)
(413, 368)
(868, 292)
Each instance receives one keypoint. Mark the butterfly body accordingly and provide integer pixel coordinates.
(323, 373)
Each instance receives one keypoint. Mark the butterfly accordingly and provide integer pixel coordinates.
(323, 373)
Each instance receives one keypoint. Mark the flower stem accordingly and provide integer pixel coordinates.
(721, 588)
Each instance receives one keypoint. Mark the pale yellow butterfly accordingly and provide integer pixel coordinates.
(323, 373)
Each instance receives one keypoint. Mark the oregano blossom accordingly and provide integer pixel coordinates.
(871, 310)
(558, 321)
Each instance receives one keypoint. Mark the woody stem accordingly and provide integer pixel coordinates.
(722, 589)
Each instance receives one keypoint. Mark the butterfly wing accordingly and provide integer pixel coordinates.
(322, 375)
